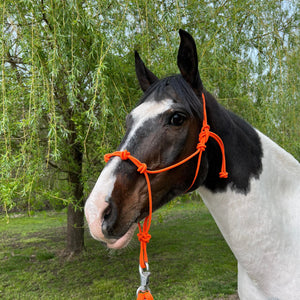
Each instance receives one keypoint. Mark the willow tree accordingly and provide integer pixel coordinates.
(67, 82)
(55, 105)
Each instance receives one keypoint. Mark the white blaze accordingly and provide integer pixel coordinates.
(95, 204)
(144, 112)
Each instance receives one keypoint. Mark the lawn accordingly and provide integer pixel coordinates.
(188, 259)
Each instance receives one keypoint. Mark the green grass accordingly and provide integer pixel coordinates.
(188, 259)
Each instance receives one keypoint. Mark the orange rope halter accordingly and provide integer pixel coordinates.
(143, 235)
(144, 296)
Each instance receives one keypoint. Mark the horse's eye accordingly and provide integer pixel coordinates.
(177, 119)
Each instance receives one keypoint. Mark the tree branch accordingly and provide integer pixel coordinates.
(44, 17)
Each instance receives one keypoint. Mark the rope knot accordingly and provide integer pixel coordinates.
(201, 146)
(206, 127)
(107, 157)
(204, 134)
(144, 237)
(223, 174)
(124, 155)
(142, 168)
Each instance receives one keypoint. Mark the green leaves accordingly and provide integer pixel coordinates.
(67, 79)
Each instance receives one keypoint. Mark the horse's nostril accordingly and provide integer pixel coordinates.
(109, 219)
(107, 212)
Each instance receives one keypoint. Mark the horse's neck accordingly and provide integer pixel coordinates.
(242, 147)
(274, 195)
(262, 226)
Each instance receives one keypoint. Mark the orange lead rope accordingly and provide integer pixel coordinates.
(143, 291)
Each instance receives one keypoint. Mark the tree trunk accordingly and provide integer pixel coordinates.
(75, 230)
(75, 226)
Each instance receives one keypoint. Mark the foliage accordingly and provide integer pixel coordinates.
(197, 264)
(55, 95)
(67, 80)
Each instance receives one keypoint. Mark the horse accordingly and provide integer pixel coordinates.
(257, 207)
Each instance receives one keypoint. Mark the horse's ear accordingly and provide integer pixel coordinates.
(144, 75)
(187, 61)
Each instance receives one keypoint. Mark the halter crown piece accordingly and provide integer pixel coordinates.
(143, 291)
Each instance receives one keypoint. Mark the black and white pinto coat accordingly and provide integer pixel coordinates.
(257, 208)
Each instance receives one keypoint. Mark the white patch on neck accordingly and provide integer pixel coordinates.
(144, 112)
(262, 228)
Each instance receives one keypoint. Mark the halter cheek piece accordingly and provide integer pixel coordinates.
(143, 235)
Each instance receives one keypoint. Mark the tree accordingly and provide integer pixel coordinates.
(67, 82)
(54, 69)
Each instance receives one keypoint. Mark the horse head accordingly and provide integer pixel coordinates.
(161, 130)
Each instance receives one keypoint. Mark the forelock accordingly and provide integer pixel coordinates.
(176, 88)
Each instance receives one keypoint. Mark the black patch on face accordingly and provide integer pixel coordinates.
(242, 144)
(154, 142)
